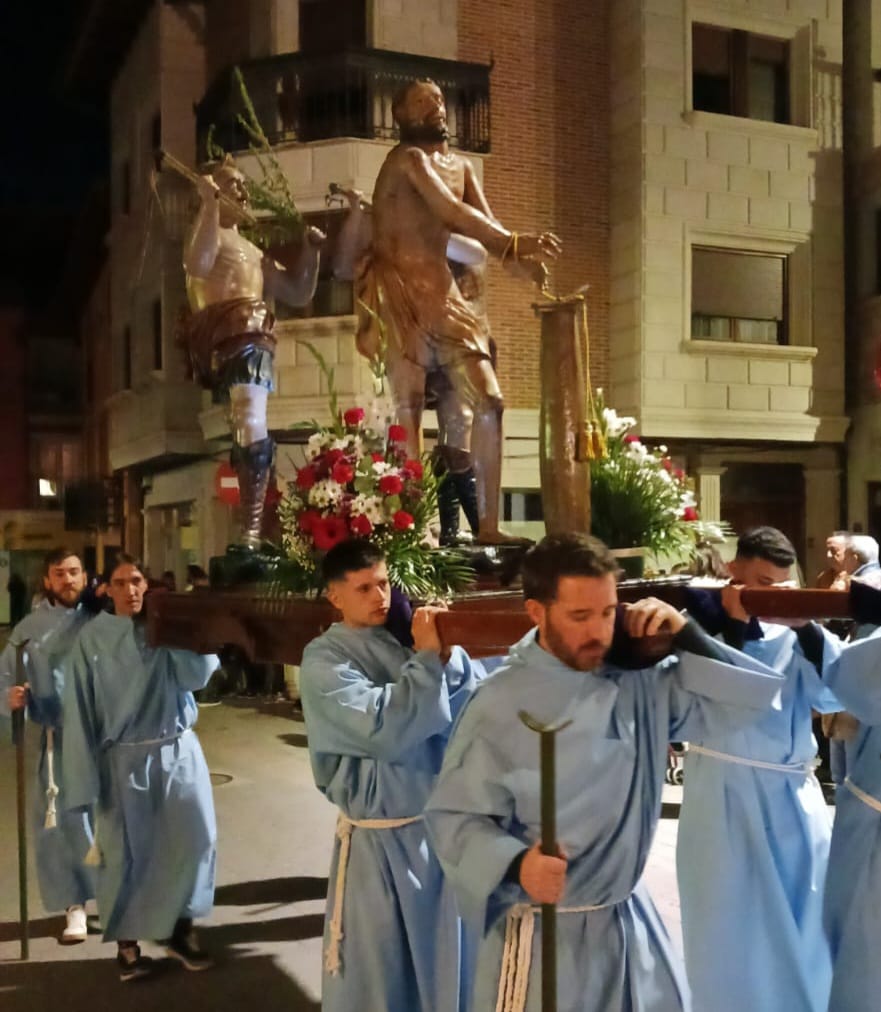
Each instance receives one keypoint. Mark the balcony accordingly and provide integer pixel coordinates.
(299, 97)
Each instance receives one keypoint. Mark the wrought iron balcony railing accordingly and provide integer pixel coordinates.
(300, 97)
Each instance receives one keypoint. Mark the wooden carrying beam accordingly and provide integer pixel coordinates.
(276, 629)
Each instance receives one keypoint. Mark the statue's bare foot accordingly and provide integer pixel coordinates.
(498, 537)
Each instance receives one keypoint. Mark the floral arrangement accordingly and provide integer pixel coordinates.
(639, 498)
(358, 481)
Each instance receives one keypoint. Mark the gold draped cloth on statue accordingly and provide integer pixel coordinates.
(226, 333)
(430, 330)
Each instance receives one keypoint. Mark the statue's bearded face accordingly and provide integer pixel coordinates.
(422, 116)
(232, 184)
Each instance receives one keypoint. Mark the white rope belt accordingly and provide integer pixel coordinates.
(152, 741)
(94, 857)
(344, 827)
(51, 820)
(866, 799)
(802, 769)
(517, 952)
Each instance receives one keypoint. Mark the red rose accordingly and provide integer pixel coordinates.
(328, 532)
(305, 478)
(307, 521)
(402, 520)
(689, 513)
(353, 416)
(631, 439)
(377, 457)
(667, 464)
(332, 456)
(397, 434)
(342, 472)
(361, 526)
(414, 469)
(391, 484)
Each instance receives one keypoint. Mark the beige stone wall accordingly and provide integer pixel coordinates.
(425, 27)
(729, 182)
(164, 76)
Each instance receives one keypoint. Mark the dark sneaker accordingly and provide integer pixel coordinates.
(184, 947)
(132, 965)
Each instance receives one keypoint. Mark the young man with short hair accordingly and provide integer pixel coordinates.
(132, 754)
(377, 716)
(484, 816)
(754, 828)
(61, 838)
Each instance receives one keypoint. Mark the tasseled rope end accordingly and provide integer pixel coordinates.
(94, 858)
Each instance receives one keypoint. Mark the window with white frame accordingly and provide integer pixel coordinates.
(738, 295)
(739, 73)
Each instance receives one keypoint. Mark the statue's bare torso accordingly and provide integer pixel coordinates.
(408, 234)
(237, 272)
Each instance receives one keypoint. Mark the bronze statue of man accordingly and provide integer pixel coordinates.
(229, 337)
(426, 197)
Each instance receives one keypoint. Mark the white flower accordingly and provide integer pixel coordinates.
(325, 493)
(339, 443)
(617, 425)
(637, 452)
(315, 445)
(381, 466)
(369, 506)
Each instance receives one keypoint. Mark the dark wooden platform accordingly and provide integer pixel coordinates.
(276, 629)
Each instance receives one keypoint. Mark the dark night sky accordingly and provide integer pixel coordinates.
(54, 145)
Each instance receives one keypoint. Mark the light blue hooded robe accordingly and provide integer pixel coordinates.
(130, 752)
(753, 849)
(852, 911)
(377, 717)
(485, 811)
(50, 631)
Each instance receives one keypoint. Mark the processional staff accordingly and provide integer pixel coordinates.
(18, 740)
(548, 777)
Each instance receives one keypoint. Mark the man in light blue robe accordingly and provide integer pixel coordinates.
(131, 752)
(754, 830)
(852, 911)
(377, 717)
(61, 838)
(613, 952)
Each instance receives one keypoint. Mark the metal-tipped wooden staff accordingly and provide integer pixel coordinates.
(18, 740)
(548, 777)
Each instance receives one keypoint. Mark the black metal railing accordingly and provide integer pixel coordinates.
(300, 97)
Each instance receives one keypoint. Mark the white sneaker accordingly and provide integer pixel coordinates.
(75, 930)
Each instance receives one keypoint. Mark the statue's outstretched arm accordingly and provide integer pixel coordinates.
(355, 235)
(455, 214)
(458, 216)
(204, 241)
(295, 285)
